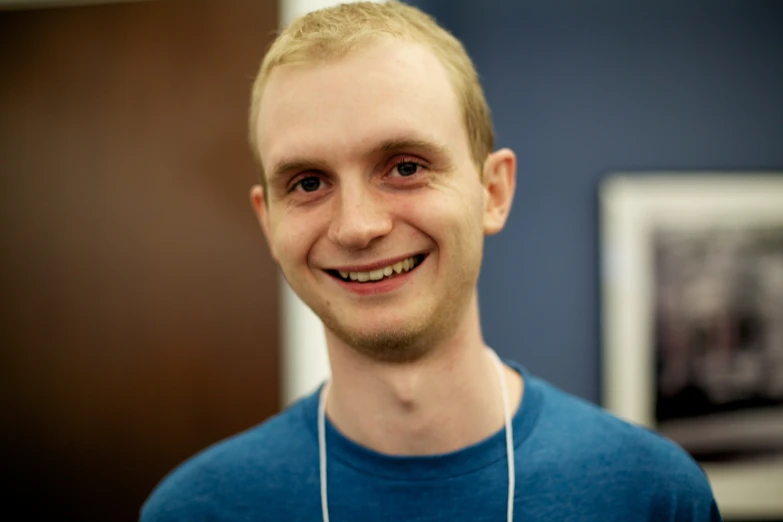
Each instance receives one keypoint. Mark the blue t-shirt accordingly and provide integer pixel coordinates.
(574, 462)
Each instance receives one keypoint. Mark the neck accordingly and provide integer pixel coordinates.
(446, 401)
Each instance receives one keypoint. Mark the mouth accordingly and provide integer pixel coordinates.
(380, 274)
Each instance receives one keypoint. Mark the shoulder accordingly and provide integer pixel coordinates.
(249, 467)
(627, 460)
(572, 421)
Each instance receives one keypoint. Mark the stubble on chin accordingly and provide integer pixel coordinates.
(398, 345)
(404, 343)
(390, 346)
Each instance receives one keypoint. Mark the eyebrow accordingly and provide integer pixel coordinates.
(295, 165)
(395, 145)
(439, 151)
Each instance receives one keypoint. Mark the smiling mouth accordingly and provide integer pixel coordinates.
(380, 274)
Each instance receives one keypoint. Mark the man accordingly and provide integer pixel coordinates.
(379, 183)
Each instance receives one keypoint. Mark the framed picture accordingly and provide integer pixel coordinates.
(692, 289)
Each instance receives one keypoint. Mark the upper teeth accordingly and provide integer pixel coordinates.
(377, 275)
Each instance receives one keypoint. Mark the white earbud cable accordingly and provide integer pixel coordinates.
(509, 435)
(509, 442)
(322, 451)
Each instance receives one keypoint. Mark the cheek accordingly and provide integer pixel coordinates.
(292, 238)
(454, 222)
(449, 208)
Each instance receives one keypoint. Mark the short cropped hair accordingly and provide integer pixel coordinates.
(333, 32)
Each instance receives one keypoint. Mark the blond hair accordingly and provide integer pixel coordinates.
(333, 32)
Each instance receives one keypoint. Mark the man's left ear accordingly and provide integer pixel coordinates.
(499, 180)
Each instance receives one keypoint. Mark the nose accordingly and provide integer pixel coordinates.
(360, 218)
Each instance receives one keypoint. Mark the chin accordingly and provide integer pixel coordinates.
(392, 348)
(398, 344)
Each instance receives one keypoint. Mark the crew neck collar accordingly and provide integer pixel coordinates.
(429, 467)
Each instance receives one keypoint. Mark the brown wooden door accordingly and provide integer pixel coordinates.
(139, 304)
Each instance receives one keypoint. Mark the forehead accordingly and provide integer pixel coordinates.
(392, 89)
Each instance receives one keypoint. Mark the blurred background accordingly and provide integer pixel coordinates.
(139, 305)
(140, 311)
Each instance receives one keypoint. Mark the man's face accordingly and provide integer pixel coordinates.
(375, 209)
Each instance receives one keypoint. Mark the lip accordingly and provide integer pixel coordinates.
(383, 286)
(374, 266)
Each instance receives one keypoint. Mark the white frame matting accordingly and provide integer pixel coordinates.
(632, 205)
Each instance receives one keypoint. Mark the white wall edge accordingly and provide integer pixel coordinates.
(305, 363)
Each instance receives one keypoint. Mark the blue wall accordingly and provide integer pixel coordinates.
(582, 89)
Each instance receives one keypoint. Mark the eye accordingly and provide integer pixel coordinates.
(407, 168)
(309, 184)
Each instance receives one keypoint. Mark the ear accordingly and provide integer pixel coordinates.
(260, 207)
(499, 180)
